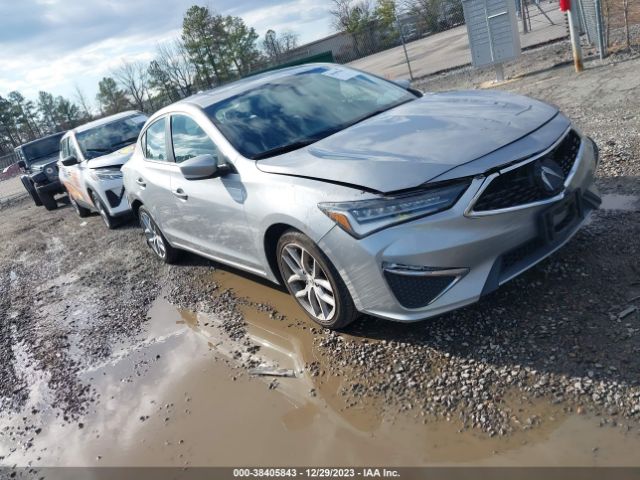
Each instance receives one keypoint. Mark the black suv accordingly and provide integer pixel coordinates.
(38, 159)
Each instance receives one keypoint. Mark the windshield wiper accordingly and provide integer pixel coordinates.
(285, 148)
(128, 141)
(98, 150)
(376, 112)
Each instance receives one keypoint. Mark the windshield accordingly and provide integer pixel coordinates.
(46, 147)
(290, 112)
(110, 137)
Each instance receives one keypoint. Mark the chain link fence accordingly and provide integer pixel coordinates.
(10, 184)
(425, 18)
(621, 23)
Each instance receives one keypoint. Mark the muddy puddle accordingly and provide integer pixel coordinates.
(616, 201)
(178, 397)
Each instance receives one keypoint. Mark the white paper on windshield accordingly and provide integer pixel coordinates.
(340, 74)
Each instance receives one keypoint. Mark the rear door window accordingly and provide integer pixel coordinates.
(154, 145)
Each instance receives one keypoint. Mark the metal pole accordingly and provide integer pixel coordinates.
(404, 46)
(601, 46)
(499, 72)
(523, 15)
(575, 42)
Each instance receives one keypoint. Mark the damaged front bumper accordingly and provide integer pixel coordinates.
(429, 266)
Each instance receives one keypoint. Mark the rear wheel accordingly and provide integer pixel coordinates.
(314, 282)
(155, 240)
(47, 199)
(108, 220)
(31, 190)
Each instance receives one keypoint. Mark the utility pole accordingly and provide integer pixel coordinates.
(404, 44)
(575, 37)
(523, 14)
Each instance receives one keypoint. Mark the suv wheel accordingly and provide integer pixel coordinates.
(81, 211)
(108, 220)
(314, 282)
(28, 186)
(47, 199)
(156, 241)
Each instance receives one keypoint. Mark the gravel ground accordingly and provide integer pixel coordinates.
(566, 333)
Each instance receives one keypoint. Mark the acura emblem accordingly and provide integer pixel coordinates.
(548, 175)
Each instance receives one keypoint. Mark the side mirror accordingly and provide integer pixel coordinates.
(69, 161)
(201, 167)
(22, 164)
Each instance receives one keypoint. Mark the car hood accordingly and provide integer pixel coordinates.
(40, 163)
(417, 141)
(114, 159)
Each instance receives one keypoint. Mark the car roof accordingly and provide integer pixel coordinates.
(209, 97)
(104, 120)
(41, 138)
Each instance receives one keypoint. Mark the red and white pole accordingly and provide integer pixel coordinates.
(565, 6)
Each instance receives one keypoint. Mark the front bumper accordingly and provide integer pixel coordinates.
(479, 253)
(113, 196)
(50, 187)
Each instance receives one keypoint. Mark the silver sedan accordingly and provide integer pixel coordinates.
(360, 195)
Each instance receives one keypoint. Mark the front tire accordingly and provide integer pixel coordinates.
(108, 220)
(81, 211)
(155, 239)
(31, 190)
(314, 282)
(47, 199)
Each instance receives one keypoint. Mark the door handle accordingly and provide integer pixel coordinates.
(180, 194)
(141, 182)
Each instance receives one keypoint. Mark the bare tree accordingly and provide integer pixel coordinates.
(351, 15)
(172, 69)
(82, 101)
(275, 45)
(288, 41)
(134, 78)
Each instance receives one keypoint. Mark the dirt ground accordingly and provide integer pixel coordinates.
(109, 358)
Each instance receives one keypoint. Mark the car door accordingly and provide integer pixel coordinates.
(210, 215)
(153, 177)
(72, 176)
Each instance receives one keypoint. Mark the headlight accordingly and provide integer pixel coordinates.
(105, 174)
(363, 217)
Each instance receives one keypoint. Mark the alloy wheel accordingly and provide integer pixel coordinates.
(153, 236)
(308, 282)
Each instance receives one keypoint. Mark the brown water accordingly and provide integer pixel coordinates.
(204, 410)
(616, 201)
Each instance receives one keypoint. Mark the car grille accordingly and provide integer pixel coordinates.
(518, 186)
(415, 291)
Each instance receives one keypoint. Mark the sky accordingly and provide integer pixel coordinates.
(56, 45)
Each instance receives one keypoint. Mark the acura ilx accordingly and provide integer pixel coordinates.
(361, 195)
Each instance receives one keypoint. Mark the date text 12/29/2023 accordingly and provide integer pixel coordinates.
(315, 473)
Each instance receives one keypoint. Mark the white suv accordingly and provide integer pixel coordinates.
(91, 157)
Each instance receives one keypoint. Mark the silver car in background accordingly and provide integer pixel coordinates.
(359, 195)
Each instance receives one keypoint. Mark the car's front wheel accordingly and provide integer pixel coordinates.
(31, 190)
(81, 211)
(155, 239)
(47, 199)
(314, 282)
(108, 220)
